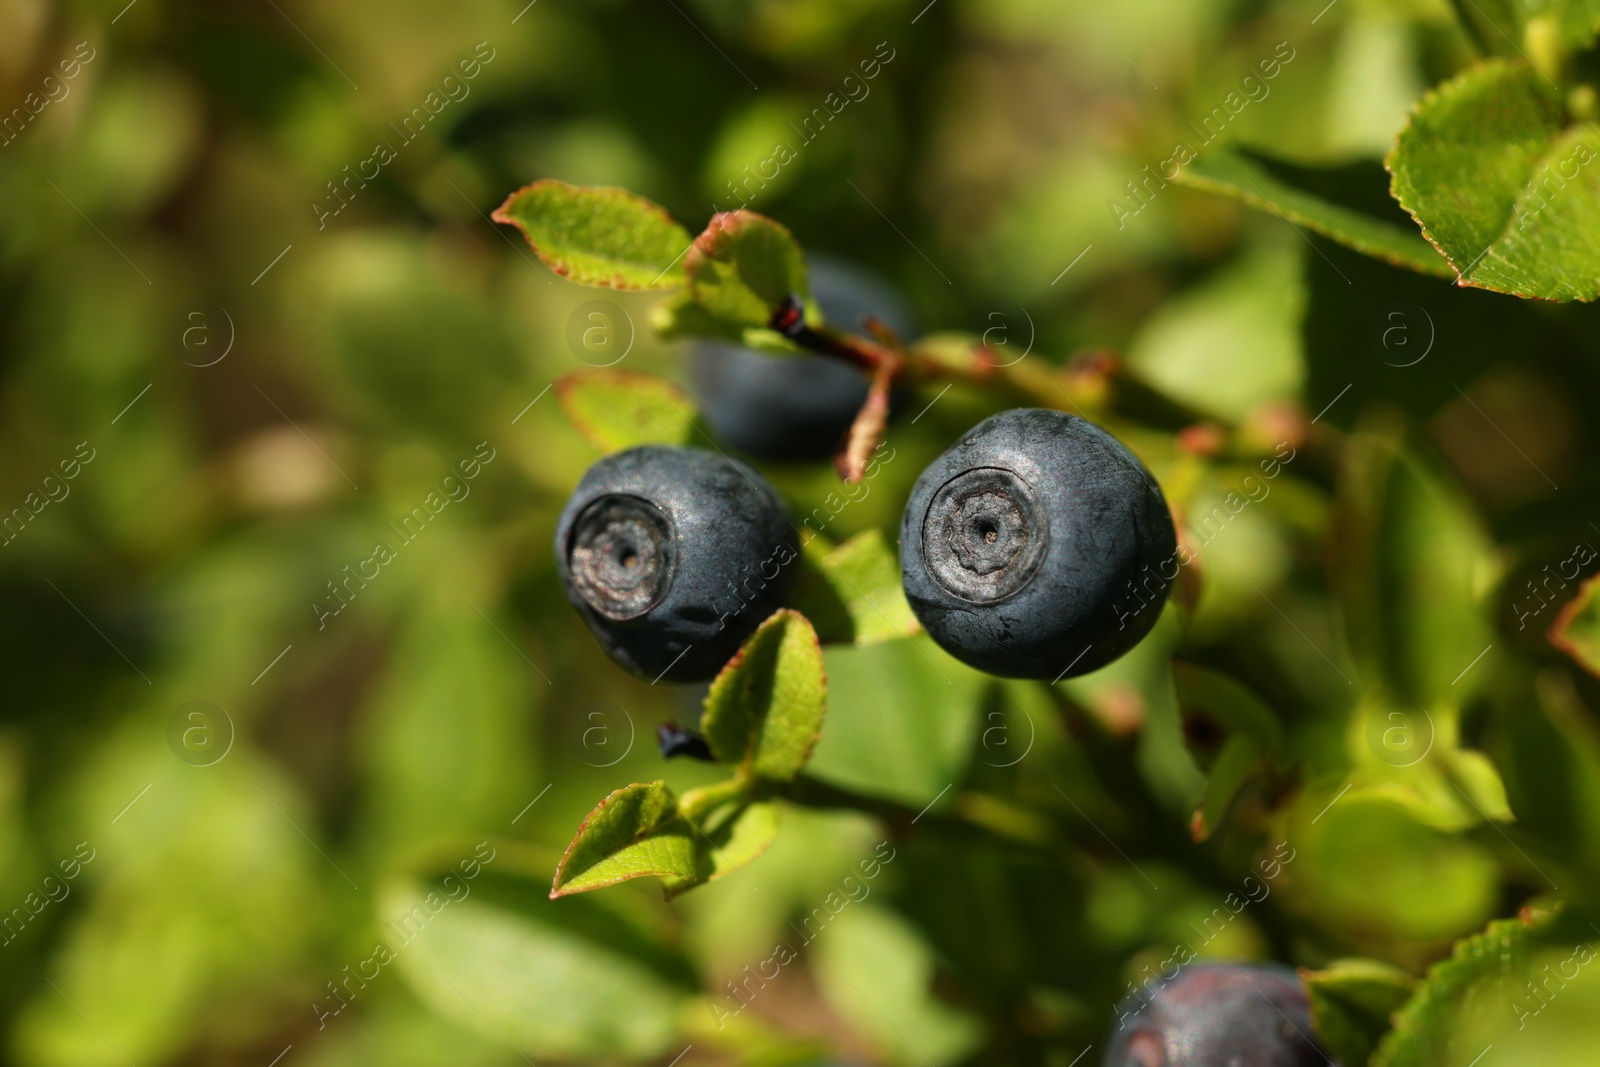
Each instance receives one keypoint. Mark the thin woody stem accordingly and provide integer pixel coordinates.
(867, 356)
(1031, 382)
(790, 320)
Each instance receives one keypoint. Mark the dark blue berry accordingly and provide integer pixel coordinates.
(674, 556)
(794, 408)
(1217, 1015)
(1037, 546)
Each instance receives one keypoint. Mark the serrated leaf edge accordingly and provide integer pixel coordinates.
(556, 892)
(503, 216)
(746, 764)
(1441, 91)
(1405, 1026)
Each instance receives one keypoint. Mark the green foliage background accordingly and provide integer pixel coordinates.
(1364, 696)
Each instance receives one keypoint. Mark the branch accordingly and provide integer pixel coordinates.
(790, 320)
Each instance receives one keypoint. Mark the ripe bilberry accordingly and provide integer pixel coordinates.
(674, 556)
(1218, 1015)
(1021, 542)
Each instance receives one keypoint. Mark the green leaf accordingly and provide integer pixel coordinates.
(615, 409)
(1232, 735)
(1550, 754)
(679, 318)
(1495, 991)
(1240, 762)
(1502, 185)
(599, 236)
(1477, 779)
(764, 711)
(1412, 757)
(641, 831)
(1260, 183)
(1416, 562)
(731, 837)
(1576, 630)
(1369, 865)
(743, 267)
(547, 977)
(1351, 1003)
(853, 593)
(633, 833)
(903, 717)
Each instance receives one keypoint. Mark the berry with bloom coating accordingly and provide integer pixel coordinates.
(674, 556)
(1037, 546)
(1217, 1015)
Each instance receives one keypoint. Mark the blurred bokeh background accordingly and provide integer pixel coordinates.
(253, 314)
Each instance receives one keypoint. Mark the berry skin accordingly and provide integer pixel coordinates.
(1217, 1015)
(794, 408)
(1037, 546)
(674, 556)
